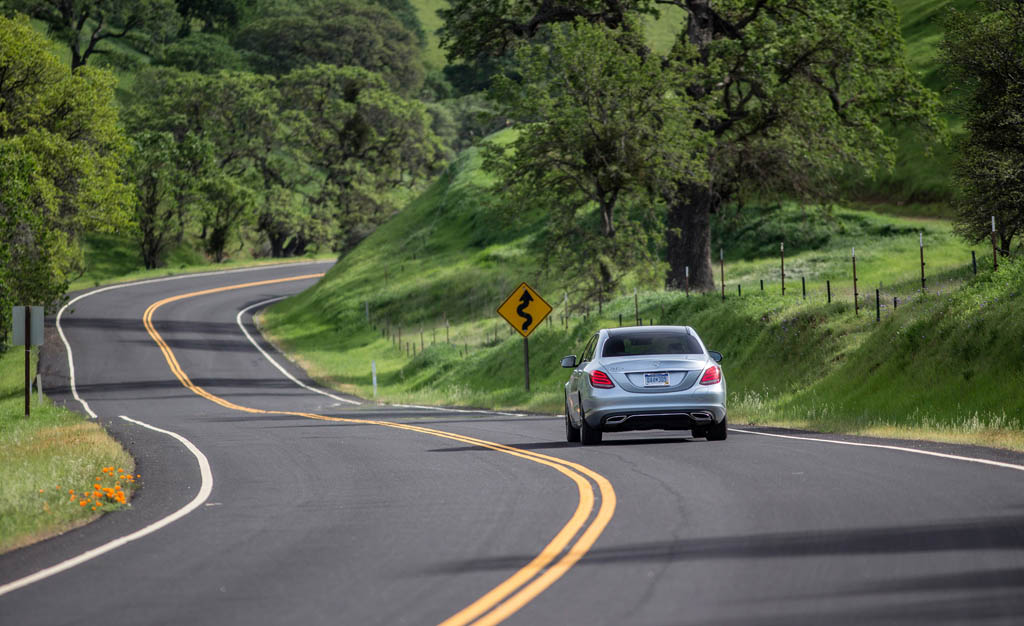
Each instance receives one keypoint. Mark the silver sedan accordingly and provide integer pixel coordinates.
(643, 378)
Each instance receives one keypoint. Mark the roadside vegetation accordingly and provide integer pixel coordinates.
(60, 471)
(944, 364)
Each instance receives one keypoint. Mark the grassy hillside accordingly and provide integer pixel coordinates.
(426, 11)
(920, 183)
(945, 364)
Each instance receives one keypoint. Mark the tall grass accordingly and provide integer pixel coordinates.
(45, 457)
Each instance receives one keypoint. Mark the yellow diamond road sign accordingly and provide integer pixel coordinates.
(524, 309)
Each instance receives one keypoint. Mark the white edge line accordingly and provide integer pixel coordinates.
(238, 320)
(446, 410)
(940, 455)
(204, 492)
(67, 345)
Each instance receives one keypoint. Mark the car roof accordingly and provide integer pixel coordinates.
(632, 330)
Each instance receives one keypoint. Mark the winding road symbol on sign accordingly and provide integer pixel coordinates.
(524, 309)
(525, 301)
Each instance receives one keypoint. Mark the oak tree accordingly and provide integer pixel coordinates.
(609, 130)
(984, 49)
(83, 25)
(335, 32)
(362, 138)
(62, 154)
(797, 93)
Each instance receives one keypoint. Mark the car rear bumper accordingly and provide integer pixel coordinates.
(682, 411)
(676, 420)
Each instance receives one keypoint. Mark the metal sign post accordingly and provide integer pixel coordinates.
(721, 263)
(524, 310)
(995, 254)
(856, 304)
(27, 330)
(920, 239)
(782, 265)
(526, 361)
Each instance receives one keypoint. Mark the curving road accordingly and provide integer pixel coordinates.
(319, 511)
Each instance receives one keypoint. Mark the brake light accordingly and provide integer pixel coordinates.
(600, 380)
(712, 376)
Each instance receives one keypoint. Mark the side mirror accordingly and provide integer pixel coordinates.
(717, 356)
(569, 361)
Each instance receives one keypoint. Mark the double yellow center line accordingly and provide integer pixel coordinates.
(567, 547)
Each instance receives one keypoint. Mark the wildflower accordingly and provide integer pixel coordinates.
(41, 490)
(82, 503)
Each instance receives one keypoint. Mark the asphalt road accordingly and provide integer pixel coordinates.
(325, 512)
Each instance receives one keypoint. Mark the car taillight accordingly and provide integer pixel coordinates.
(712, 376)
(600, 380)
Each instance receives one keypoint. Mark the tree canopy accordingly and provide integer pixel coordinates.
(214, 15)
(608, 125)
(984, 49)
(202, 52)
(83, 25)
(362, 138)
(62, 154)
(314, 153)
(291, 35)
(795, 93)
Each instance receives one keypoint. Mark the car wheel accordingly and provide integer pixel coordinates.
(719, 431)
(697, 433)
(589, 436)
(572, 434)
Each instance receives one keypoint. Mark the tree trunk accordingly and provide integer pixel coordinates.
(689, 220)
(277, 241)
(700, 29)
(689, 240)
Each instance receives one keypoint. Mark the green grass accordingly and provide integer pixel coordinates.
(946, 365)
(791, 361)
(45, 456)
(920, 183)
(426, 10)
(663, 30)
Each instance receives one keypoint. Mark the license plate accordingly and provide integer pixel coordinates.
(655, 380)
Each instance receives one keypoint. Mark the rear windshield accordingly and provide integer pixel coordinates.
(639, 343)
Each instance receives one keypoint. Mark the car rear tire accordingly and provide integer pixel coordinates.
(589, 436)
(572, 434)
(719, 431)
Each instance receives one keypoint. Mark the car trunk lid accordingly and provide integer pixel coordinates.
(654, 375)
